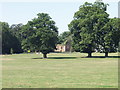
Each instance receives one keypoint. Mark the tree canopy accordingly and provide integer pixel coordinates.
(63, 37)
(9, 41)
(91, 30)
(87, 23)
(40, 34)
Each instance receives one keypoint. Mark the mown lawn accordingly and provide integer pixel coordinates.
(60, 70)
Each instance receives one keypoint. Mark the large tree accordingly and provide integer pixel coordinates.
(40, 34)
(88, 21)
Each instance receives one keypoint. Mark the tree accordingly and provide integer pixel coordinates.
(116, 32)
(25, 32)
(40, 34)
(109, 41)
(6, 38)
(88, 21)
(15, 30)
(9, 41)
(63, 37)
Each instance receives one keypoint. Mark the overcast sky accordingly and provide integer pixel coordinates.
(61, 11)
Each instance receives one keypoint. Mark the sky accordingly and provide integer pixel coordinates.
(15, 12)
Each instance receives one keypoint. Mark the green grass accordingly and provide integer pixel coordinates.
(60, 70)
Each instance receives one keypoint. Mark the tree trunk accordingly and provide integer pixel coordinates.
(44, 55)
(106, 54)
(90, 54)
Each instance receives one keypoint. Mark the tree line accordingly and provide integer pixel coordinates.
(90, 30)
(38, 35)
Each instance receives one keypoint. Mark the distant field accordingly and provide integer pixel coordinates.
(60, 70)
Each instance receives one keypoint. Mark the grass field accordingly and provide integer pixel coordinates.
(60, 70)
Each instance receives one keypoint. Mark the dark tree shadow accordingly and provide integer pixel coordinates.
(113, 56)
(57, 58)
(37, 58)
(78, 57)
(62, 57)
(102, 57)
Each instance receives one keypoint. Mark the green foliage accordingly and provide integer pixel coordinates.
(90, 30)
(63, 37)
(109, 41)
(87, 23)
(26, 31)
(40, 34)
(9, 40)
(16, 30)
(116, 31)
(5, 37)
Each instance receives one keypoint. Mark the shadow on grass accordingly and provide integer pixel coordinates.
(77, 57)
(37, 58)
(58, 58)
(62, 57)
(102, 57)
